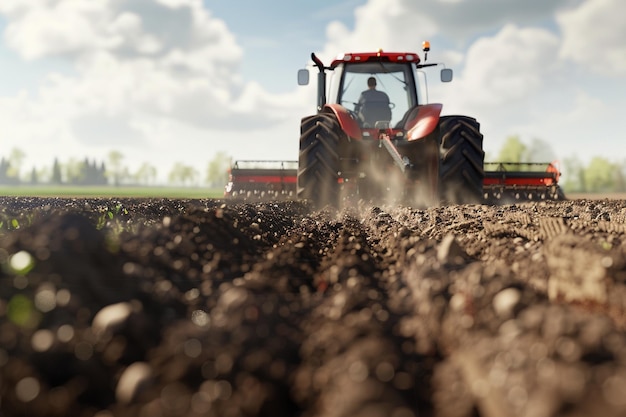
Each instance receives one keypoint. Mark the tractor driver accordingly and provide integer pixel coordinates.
(373, 105)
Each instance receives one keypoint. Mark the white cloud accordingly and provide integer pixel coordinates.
(404, 24)
(134, 62)
(461, 20)
(168, 58)
(379, 24)
(51, 28)
(509, 66)
(594, 34)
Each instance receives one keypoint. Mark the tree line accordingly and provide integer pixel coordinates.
(113, 171)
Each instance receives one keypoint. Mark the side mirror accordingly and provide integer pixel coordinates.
(303, 77)
(446, 75)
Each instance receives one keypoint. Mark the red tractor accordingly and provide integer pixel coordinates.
(376, 138)
(395, 149)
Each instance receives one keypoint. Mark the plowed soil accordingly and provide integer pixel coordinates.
(206, 308)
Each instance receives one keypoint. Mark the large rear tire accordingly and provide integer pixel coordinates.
(462, 158)
(318, 161)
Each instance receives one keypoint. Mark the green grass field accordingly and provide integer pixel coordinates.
(109, 191)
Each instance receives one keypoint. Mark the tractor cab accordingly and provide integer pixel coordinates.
(378, 93)
(378, 89)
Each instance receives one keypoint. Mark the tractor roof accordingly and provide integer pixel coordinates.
(356, 57)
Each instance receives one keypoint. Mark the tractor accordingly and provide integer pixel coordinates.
(385, 147)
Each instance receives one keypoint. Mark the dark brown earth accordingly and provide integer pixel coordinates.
(205, 308)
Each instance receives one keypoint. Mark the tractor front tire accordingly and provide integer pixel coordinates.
(318, 161)
(461, 172)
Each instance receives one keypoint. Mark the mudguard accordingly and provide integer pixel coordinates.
(424, 122)
(346, 121)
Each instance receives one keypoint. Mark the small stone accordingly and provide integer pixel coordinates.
(505, 301)
(111, 317)
(233, 298)
(134, 379)
(450, 252)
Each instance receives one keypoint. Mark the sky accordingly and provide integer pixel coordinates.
(176, 81)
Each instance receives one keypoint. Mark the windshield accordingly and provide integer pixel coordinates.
(396, 80)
